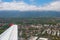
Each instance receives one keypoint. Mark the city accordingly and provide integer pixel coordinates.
(50, 31)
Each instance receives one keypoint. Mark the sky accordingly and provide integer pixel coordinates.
(36, 2)
(28, 5)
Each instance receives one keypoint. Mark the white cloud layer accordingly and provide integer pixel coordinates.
(22, 6)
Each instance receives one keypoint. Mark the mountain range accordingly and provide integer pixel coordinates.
(28, 14)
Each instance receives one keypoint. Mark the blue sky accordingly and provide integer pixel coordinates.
(35, 2)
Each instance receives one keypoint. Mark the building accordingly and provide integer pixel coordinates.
(43, 39)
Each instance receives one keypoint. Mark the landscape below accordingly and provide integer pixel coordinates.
(32, 23)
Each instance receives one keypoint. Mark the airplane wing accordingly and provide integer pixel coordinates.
(10, 34)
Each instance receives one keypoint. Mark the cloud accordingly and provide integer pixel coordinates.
(16, 6)
(52, 6)
(22, 6)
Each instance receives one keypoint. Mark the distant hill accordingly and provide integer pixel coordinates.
(28, 14)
